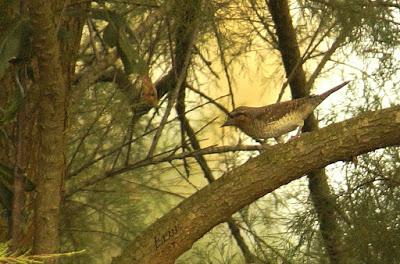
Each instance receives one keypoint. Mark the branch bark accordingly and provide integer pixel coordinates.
(201, 160)
(173, 234)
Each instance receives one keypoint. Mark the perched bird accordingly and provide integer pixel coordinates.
(275, 120)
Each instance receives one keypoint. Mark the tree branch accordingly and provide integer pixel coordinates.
(174, 233)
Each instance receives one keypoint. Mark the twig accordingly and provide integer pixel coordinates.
(88, 164)
(92, 42)
(183, 176)
(211, 100)
(173, 94)
(110, 214)
(206, 62)
(304, 58)
(167, 158)
(88, 131)
(156, 189)
(222, 57)
(328, 54)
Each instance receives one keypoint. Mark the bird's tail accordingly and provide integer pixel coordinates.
(334, 89)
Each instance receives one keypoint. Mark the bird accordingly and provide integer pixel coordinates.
(275, 120)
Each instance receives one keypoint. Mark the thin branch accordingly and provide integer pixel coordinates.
(156, 189)
(206, 62)
(173, 94)
(259, 240)
(266, 26)
(183, 176)
(90, 74)
(92, 41)
(211, 100)
(88, 131)
(111, 215)
(114, 150)
(167, 158)
(223, 60)
(130, 137)
(328, 54)
(307, 53)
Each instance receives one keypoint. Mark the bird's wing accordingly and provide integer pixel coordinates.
(274, 112)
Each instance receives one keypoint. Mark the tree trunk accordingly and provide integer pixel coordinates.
(51, 126)
(45, 93)
(175, 232)
(19, 151)
(324, 202)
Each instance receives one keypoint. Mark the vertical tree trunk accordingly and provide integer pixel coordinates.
(18, 151)
(21, 150)
(322, 198)
(51, 126)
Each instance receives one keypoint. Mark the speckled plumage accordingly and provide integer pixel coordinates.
(276, 119)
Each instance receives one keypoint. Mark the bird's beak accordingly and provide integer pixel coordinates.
(228, 122)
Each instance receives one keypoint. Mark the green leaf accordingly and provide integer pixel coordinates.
(115, 35)
(110, 35)
(109, 16)
(133, 62)
(11, 42)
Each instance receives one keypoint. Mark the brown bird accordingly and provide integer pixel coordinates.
(275, 120)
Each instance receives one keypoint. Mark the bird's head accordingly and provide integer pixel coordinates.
(238, 118)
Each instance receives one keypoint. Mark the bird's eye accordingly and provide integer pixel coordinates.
(237, 114)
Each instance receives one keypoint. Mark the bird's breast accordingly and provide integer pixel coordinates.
(283, 125)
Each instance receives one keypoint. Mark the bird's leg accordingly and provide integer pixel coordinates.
(297, 134)
(300, 127)
(299, 131)
(279, 140)
(261, 142)
(264, 144)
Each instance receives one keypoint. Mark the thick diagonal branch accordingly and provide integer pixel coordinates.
(176, 232)
(187, 128)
